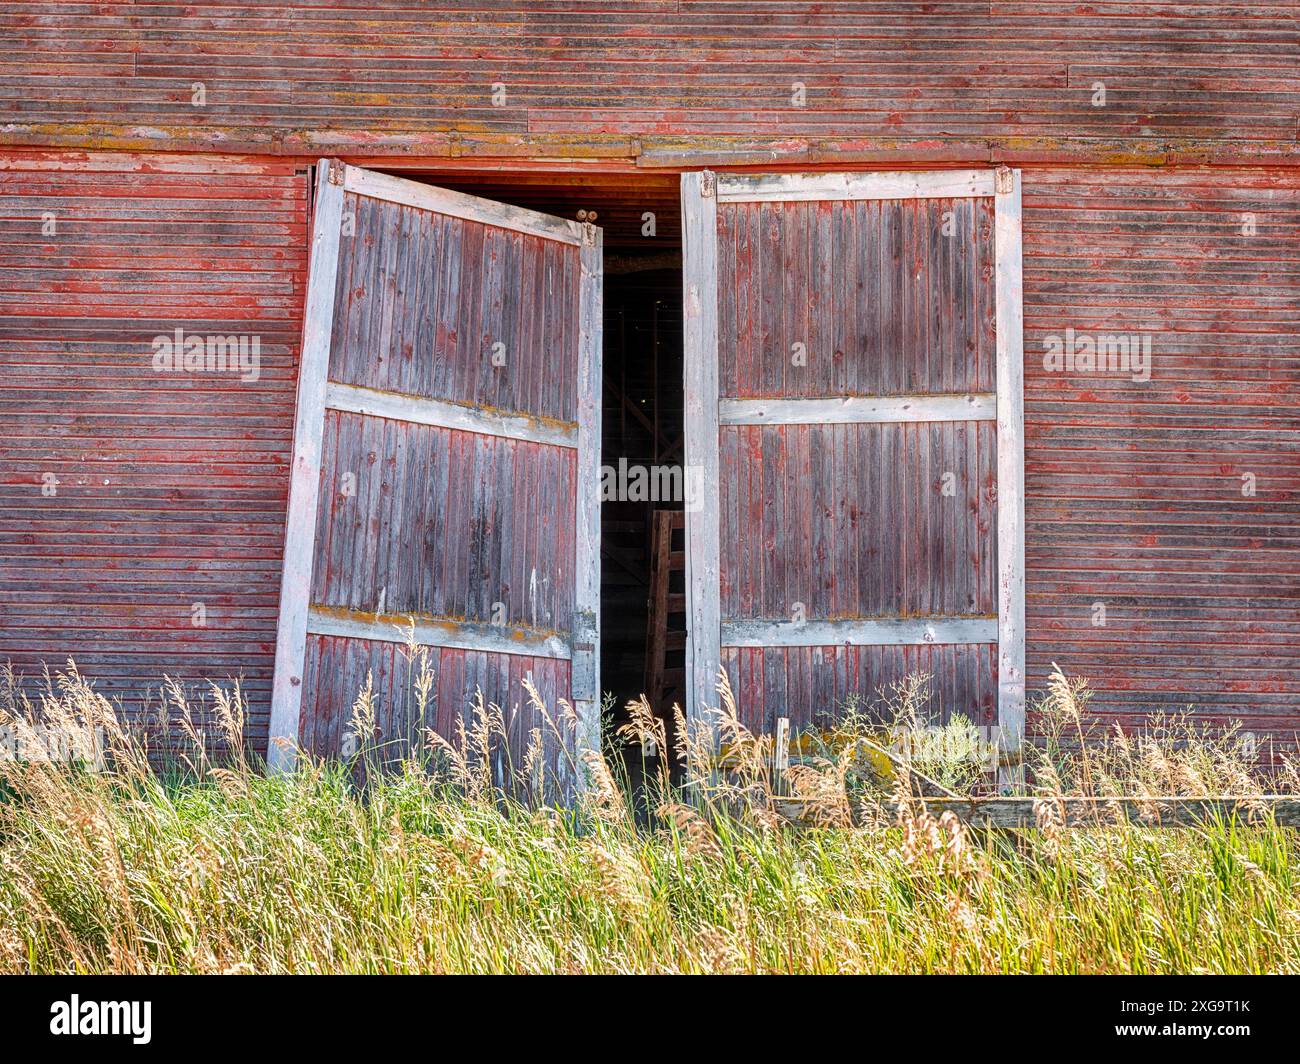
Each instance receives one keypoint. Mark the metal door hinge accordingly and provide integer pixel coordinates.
(708, 183)
(584, 677)
(1004, 179)
(336, 172)
(583, 673)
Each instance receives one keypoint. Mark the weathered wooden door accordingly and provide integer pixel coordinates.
(446, 470)
(853, 395)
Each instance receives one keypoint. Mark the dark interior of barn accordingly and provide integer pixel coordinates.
(642, 536)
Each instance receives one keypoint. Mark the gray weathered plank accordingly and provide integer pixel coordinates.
(447, 632)
(940, 184)
(700, 327)
(460, 205)
(304, 484)
(586, 602)
(441, 414)
(859, 410)
(1011, 466)
(887, 631)
(1100, 812)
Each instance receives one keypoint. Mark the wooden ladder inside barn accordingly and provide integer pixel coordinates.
(665, 666)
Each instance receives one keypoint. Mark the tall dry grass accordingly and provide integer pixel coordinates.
(109, 864)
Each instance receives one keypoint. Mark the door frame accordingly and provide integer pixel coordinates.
(701, 192)
(316, 395)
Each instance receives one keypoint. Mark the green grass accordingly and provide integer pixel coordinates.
(230, 871)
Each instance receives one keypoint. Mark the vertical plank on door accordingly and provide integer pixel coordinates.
(1011, 470)
(586, 606)
(304, 485)
(700, 323)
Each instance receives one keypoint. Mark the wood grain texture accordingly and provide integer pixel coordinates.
(338, 668)
(448, 204)
(447, 308)
(438, 632)
(700, 304)
(792, 188)
(456, 521)
(437, 413)
(853, 521)
(1011, 465)
(857, 410)
(816, 686)
(287, 693)
(1134, 489)
(876, 527)
(443, 523)
(839, 298)
(585, 640)
(934, 630)
(169, 487)
(664, 83)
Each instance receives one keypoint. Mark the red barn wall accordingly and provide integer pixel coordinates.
(1134, 491)
(662, 80)
(170, 487)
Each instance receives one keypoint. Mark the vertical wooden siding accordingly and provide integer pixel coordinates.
(336, 669)
(1134, 490)
(416, 311)
(462, 520)
(170, 485)
(883, 305)
(446, 524)
(815, 685)
(842, 518)
(850, 521)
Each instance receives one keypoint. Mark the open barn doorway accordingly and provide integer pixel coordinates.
(642, 579)
(643, 588)
(826, 560)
